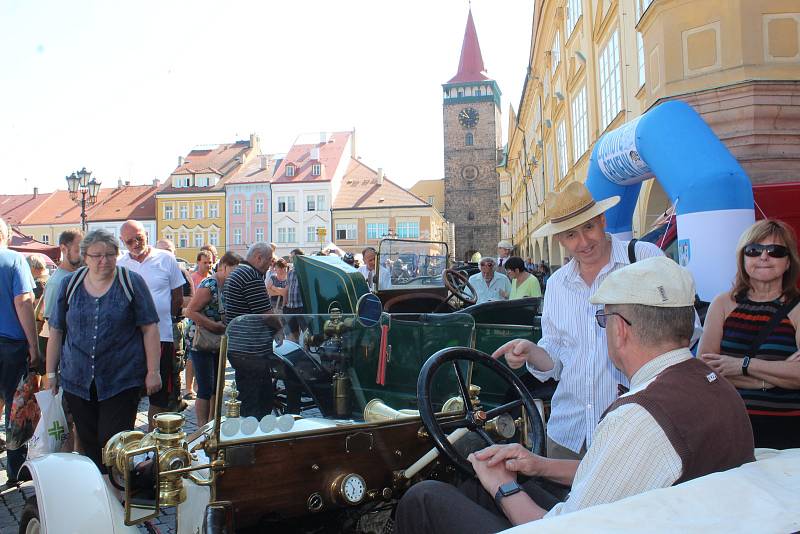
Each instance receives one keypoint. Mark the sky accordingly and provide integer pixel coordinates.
(124, 88)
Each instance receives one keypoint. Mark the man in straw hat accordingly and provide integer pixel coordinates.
(654, 436)
(573, 349)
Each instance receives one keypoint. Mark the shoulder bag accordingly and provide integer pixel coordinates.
(204, 340)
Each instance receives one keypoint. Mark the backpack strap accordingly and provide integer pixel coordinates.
(75, 281)
(124, 276)
(632, 250)
(780, 313)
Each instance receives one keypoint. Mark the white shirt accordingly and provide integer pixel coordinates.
(491, 291)
(577, 345)
(161, 274)
(384, 278)
(631, 453)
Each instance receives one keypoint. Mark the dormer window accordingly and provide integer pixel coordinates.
(290, 169)
(316, 169)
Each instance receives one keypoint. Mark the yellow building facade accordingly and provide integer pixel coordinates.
(596, 64)
(191, 221)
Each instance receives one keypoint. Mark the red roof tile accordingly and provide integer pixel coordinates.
(470, 67)
(301, 155)
(113, 204)
(360, 189)
(223, 160)
(251, 172)
(14, 208)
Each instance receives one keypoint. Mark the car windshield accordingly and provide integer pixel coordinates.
(413, 264)
(328, 369)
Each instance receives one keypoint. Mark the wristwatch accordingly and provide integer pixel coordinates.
(745, 365)
(506, 490)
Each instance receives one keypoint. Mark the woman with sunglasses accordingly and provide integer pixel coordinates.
(767, 374)
(104, 340)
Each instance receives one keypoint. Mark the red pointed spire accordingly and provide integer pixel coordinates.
(470, 67)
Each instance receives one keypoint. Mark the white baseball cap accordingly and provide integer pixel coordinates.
(658, 282)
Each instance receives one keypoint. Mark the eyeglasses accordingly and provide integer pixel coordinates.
(775, 251)
(600, 315)
(98, 257)
(135, 239)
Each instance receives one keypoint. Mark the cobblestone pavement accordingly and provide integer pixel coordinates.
(12, 501)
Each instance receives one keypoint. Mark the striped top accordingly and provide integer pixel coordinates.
(746, 321)
(245, 293)
(577, 345)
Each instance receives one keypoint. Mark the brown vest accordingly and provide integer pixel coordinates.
(702, 415)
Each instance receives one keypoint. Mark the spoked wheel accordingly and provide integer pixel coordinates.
(484, 423)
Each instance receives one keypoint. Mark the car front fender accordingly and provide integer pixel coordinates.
(74, 497)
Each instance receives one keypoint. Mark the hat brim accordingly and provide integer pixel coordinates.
(555, 228)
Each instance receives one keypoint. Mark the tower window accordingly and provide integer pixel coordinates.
(460, 93)
(469, 139)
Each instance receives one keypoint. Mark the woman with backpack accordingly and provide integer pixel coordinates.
(104, 344)
(752, 333)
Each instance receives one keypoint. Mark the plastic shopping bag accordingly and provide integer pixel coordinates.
(24, 412)
(52, 431)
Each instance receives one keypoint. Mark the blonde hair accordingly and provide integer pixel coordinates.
(760, 231)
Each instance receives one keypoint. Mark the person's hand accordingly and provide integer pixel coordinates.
(219, 328)
(152, 382)
(722, 364)
(491, 476)
(33, 356)
(517, 352)
(515, 458)
(503, 294)
(51, 383)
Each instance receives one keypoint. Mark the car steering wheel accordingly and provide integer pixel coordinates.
(456, 282)
(474, 419)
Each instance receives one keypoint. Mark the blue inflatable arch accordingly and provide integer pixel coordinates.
(712, 194)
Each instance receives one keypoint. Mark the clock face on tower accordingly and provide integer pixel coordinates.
(468, 117)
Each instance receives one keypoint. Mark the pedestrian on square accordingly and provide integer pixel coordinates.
(249, 352)
(18, 343)
(205, 260)
(40, 275)
(206, 310)
(377, 277)
(523, 283)
(214, 255)
(277, 284)
(104, 339)
(488, 283)
(164, 280)
(294, 299)
(761, 304)
(573, 348)
(70, 244)
(504, 251)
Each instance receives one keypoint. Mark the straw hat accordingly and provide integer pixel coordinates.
(570, 208)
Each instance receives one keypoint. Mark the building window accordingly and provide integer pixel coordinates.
(259, 234)
(312, 233)
(184, 210)
(431, 200)
(168, 235)
(198, 240)
(320, 202)
(580, 127)
(168, 212)
(213, 237)
(290, 170)
(610, 82)
(408, 230)
(259, 205)
(311, 203)
(286, 235)
(574, 11)
(640, 50)
(556, 51)
(285, 204)
(237, 236)
(45, 239)
(316, 169)
(469, 140)
(561, 141)
(346, 231)
(198, 211)
(377, 230)
(551, 174)
(213, 209)
(237, 207)
(183, 241)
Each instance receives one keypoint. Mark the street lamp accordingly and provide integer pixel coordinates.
(82, 184)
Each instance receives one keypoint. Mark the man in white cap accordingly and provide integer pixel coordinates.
(654, 436)
(504, 251)
(572, 349)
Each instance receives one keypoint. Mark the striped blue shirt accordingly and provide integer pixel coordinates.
(577, 345)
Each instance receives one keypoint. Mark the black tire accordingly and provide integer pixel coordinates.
(29, 513)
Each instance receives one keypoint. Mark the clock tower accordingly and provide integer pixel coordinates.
(472, 137)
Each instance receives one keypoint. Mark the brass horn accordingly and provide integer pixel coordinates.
(376, 411)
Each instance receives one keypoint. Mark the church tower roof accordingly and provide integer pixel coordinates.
(470, 67)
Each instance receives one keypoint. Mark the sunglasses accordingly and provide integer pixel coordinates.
(136, 239)
(775, 251)
(600, 315)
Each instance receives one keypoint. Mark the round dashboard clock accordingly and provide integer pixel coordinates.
(350, 488)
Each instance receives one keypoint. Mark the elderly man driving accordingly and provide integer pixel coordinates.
(654, 436)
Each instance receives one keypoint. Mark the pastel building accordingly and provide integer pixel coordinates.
(304, 185)
(249, 203)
